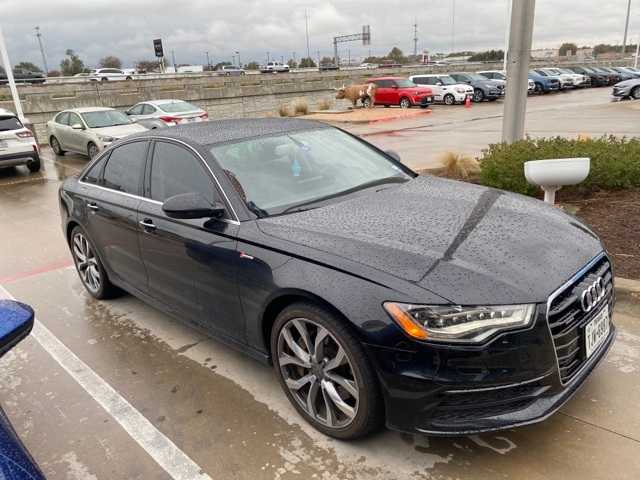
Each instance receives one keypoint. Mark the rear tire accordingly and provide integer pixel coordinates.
(92, 150)
(366, 102)
(89, 267)
(55, 146)
(405, 102)
(35, 165)
(338, 369)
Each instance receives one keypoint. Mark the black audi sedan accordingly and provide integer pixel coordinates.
(379, 296)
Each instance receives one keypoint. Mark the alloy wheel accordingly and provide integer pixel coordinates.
(405, 103)
(636, 93)
(318, 373)
(92, 150)
(86, 263)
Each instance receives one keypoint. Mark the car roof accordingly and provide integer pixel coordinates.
(163, 101)
(88, 109)
(385, 78)
(220, 131)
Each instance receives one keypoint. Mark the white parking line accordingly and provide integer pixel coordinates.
(173, 460)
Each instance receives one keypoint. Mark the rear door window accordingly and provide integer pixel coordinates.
(124, 169)
(148, 109)
(63, 118)
(175, 170)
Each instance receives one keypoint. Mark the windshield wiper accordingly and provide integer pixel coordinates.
(257, 210)
(374, 183)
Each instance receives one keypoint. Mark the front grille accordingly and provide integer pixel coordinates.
(567, 320)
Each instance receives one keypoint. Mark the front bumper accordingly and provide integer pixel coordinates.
(423, 101)
(621, 92)
(518, 378)
(498, 388)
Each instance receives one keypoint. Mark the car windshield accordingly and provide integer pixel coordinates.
(105, 118)
(9, 123)
(447, 80)
(177, 107)
(405, 83)
(275, 175)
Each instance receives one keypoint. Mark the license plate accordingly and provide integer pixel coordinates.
(3, 145)
(429, 99)
(596, 331)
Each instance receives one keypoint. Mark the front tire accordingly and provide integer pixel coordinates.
(92, 150)
(449, 99)
(325, 372)
(635, 93)
(478, 95)
(89, 267)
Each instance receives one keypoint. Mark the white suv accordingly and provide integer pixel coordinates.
(17, 144)
(445, 89)
(113, 74)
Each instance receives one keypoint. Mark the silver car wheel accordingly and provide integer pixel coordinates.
(86, 263)
(318, 372)
(92, 150)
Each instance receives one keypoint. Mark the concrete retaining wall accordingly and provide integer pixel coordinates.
(230, 97)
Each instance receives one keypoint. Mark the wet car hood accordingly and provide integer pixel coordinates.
(466, 243)
(628, 83)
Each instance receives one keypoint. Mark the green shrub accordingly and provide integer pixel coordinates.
(615, 162)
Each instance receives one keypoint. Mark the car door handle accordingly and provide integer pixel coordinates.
(93, 206)
(148, 225)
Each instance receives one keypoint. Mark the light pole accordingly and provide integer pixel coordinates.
(44, 57)
(4, 57)
(506, 34)
(635, 64)
(268, 57)
(519, 53)
(453, 25)
(208, 62)
(626, 29)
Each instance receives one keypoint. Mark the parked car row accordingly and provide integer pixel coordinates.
(89, 130)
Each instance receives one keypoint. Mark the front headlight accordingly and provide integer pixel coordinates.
(458, 324)
(460, 89)
(107, 139)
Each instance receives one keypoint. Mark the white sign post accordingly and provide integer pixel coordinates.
(4, 57)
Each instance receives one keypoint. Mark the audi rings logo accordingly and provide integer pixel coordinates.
(592, 295)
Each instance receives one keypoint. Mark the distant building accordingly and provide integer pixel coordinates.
(584, 53)
(544, 53)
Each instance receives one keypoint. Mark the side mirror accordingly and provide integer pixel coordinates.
(77, 126)
(393, 154)
(192, 206)
(16, 321)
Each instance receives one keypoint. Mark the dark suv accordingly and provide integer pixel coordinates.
(483, 88)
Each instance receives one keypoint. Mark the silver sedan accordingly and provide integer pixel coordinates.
(88, 130)
(166, 113)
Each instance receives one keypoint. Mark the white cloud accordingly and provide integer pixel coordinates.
(126, 28)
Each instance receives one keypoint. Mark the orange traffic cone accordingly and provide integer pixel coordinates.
(467, 102)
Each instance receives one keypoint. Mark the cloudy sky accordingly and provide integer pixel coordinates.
(125, 28)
